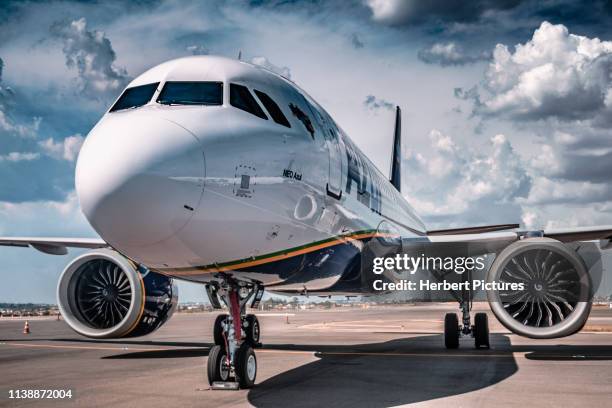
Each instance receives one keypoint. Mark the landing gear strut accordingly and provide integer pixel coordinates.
(231, 361)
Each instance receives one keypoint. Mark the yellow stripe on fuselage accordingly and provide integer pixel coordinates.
(230, 266)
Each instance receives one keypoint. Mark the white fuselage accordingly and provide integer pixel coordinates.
(192, 190)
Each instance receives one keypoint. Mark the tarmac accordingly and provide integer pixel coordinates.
(345, 357)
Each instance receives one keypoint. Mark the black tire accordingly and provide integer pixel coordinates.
(252, 330)
(451, 331)
(218, 330)
(216, 366)
(481, 331)
(245, 366)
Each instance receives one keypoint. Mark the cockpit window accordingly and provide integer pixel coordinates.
(273, 108)
(191, 93)
(304, 118)
(241, 98)
(135, 97)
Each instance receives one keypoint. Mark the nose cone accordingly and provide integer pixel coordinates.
(139, 178)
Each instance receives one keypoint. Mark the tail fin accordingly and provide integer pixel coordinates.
(396, 158)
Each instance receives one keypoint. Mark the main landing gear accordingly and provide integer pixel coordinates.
(231, 361)
(453, 331)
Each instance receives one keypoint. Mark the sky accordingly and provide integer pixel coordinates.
(506, 104)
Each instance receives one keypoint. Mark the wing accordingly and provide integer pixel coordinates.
(53, 246)
(473, 243)
(468, 244)
(473, 230)
(580, 234)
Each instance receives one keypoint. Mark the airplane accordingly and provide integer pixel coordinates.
(216, 171)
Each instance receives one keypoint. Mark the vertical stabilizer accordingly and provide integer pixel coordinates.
(396, 158)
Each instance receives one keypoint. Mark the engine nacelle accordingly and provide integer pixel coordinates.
(556, 299)
(101, 294)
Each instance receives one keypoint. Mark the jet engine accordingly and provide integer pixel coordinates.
(552, 292)
(101, 294)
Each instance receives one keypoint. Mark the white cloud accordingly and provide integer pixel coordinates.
(198, 49)
(556, 90)
(23, 130)
(449, 54)
(19, 156)
(465, 184)
(38, 218)
(460, 12)
(265, 63)
(555, 74)
(68, 149)
(390, 11)
(549, 191)
(92, 54)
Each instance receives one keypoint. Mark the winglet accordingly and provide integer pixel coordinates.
(396, 158)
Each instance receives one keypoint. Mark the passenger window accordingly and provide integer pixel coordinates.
(191, 93)
(241, 98)
(135, 97)
(273, 109)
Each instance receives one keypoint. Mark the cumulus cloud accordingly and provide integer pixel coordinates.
(265, 63)
(43, 217)
(27, 130)
(467, 185)
(19, 156)
(90, 52)
(449, 54)
(547, 191)
(375, 104)
(556, 88)
(67, 149)
(554, 75)
(198, 49)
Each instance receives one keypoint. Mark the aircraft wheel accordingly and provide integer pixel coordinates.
(253, 330)
(481, 331)
(217, 367)
(218, 330)
(245, 366)
(451, 331)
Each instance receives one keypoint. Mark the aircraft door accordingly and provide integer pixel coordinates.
(332, 145)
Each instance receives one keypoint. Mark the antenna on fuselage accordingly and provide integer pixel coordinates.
(240, 55)
(396, 158)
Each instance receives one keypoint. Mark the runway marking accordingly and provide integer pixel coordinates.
(367, 325)
(380, 354)
(123, 348)
(274, 314)
(516, 354)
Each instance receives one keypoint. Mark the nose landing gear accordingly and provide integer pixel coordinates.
(231, 361)
(250, 326)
